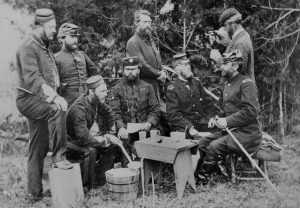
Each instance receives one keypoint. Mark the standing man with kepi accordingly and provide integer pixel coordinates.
(37, 99)
(231, 20)
(74, 66)
(142, 45)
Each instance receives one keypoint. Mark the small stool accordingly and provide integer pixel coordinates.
(235, 175)
(177, 153)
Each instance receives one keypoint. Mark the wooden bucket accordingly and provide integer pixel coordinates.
(122, 183)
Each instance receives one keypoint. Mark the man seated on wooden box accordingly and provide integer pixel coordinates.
(93, 152)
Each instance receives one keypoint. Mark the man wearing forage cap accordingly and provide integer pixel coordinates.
(133, 101)
(37, 99)
(231, 20)
(74, 66)
(241, 113)
(85, 148)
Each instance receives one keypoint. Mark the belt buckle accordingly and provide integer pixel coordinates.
(82, 89)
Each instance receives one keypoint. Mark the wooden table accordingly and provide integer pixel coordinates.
(177, 153)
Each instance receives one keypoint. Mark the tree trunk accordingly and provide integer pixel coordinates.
(281, 122)
(271, 105)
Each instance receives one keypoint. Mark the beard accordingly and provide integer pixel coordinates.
(131, 78)
(72, 47)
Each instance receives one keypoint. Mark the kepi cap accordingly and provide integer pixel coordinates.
(130, 62)
(94, 81)
(43, 15)
(67, 29)
(180, 59)
(230, 13)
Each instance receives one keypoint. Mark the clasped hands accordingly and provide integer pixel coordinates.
(123, 133)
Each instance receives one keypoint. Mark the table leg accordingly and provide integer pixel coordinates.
(183, 170)
(154, 167)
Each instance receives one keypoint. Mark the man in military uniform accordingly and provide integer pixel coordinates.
(84, 147)
(37, 99)
(241, 107)
(188, 105)
(142, 45)
(133, 101)
(74, 66)
(231, 20)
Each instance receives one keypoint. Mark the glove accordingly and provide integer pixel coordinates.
(211, 123)
(221, 123)
(123, 133)
(61, 103)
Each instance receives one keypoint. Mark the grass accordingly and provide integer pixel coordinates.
(258, 194)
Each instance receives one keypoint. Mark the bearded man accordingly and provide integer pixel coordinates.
(142, 45)
(74, 66)
(133, 101)
(231, 20)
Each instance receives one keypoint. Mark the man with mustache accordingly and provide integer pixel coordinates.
(37, 99)
(231, 20)
(241, 114)
(142, 45)
(74, 66)
(84, 147)
(133, 101)
(188, 105)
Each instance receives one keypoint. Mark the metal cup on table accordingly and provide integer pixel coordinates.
(155, 134)
(142, 135)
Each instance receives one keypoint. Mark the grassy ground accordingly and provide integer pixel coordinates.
(286, 176)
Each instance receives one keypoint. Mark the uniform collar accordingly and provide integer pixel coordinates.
(39, 41)
(232, 79)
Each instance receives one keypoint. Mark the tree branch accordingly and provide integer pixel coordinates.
(277, 9)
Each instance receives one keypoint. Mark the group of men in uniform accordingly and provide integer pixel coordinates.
(62, 96)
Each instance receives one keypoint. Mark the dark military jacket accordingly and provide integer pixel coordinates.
(240, 101)
(188, 107)
(35, 66)
(134, 103)
(80, 118)
(74, 68)
(149, 57)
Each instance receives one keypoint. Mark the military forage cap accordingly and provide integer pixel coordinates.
(67, 29)
(230, 13)
(180, 59)
(233, 56)
(43, 15)
(94, 81)
(130, 62)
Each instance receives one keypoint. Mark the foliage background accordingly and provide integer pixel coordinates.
(180, 26)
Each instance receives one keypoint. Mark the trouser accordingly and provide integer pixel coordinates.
(47, 125)
(221, 147)
(129, 147)
(94, 163)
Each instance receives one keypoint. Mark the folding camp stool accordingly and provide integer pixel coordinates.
(246, 174)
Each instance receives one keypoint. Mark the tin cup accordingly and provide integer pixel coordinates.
(177, 136)
(155, 134)
(142, 135)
